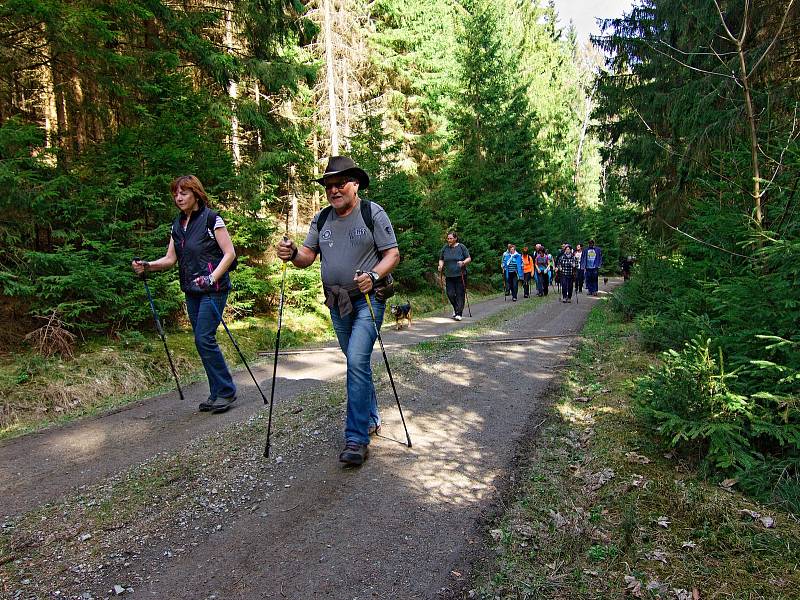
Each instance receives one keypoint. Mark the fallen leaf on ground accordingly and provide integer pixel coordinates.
(663, 522)
(727, 484)
(638, 481)
(633, 586)
(668, 455)
(695, 594)
(658, 555)
(767, 522)
(637, 458)
(654, 585)
(601, 478)
(750, 513)
(590, 573)
(583, 399)
(690, 545)
(558, 519)
(496, 534)
(682, 594)
(455, 574)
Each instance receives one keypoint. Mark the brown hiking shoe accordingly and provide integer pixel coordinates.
(354, 453)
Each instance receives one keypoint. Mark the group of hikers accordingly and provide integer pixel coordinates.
(570, 269)
(358, 250)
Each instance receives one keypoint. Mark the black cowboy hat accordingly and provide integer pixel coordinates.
(344, 165)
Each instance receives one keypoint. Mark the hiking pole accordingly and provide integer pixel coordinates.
(441, 285)
(235, 345)
(159, 328)
(277, 346)
(386, 361)
(466, 296)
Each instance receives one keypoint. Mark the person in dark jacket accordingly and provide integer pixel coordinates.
(591, 261)
(567, 265)
(202, 247)
(579, 275)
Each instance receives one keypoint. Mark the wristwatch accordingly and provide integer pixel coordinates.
(374, 277)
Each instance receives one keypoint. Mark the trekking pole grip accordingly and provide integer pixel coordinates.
(138, 259)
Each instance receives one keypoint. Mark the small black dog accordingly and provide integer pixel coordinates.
(401, 312)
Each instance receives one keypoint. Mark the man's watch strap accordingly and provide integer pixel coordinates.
(374, 277)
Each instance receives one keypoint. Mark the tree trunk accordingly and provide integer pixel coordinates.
(331, 80)
(751, 121)
(233, 90)
(583, 134)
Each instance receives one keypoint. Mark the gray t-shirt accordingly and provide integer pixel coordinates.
(345, 244)
(451, 256)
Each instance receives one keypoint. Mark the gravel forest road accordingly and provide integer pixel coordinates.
(405, 525)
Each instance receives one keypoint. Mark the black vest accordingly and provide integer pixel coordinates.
(198, 253)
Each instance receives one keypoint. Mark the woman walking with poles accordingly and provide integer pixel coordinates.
(202, 247)
(454, 258)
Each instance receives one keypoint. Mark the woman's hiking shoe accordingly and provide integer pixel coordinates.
(206, 405)
(222, 404)
(354, 453)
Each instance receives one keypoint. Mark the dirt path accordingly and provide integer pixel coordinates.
(405, 525)
(44, 466)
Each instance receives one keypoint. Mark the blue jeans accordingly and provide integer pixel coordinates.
(591, 280)
(357, 335)
(205, 321)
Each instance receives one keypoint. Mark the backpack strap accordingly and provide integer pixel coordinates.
(211, 220)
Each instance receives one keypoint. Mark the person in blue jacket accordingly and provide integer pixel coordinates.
(512, 270)
(591, 261)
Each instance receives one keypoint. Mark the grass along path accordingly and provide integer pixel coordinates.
(37, 392)
(599, 510)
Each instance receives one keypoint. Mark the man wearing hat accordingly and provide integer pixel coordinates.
(346, 244)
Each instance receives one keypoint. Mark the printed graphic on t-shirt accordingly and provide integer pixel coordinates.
(357, 235)
(591, 256)
(326, 237)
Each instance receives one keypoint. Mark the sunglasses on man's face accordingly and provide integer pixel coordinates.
(338, 184)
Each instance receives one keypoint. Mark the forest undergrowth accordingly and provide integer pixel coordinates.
(604, 508)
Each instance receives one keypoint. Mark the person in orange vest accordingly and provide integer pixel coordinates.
(527, 272)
